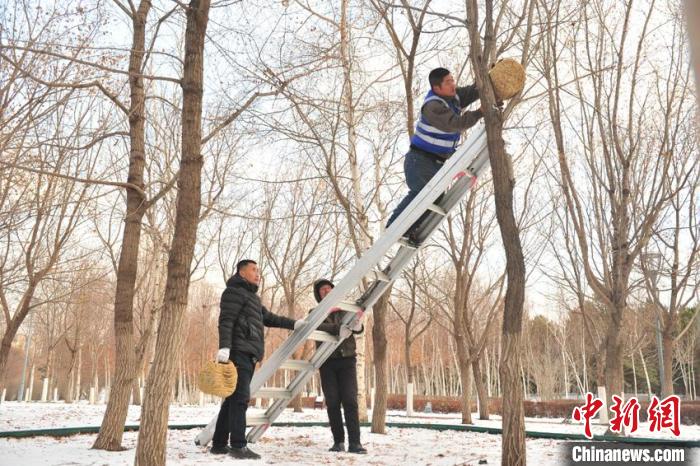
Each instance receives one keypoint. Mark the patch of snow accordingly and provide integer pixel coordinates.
(280, 445)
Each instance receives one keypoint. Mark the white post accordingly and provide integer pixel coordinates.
(30, 391)
(488, 373)
(566, 376)
(258, 403)
(603, 418)
(45, 389)
(76, 396)
(409, 399)
(55, 394)
(2, 398)
(92, 395)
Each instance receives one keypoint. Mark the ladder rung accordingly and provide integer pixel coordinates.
(350, 307)
(297, 365)
(257, 419)
(403, 242)
(437, 209)
(273, 392)
(322, 336)
(381, 276)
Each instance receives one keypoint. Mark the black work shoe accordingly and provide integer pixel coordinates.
(243, 453)
(338, 446)
(357, 448)
(219, 450)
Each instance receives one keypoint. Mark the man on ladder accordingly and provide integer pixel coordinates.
(437, 134)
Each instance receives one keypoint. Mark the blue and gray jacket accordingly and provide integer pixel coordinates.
(441, 121)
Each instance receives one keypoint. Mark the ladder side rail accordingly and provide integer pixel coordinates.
(378, 288)
(464, 156)
(451, 199)
(458, 162)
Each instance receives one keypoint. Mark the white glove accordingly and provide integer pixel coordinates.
(358, 322)
(358, 326)
(222, 355)
(344, 332)
(299, 324)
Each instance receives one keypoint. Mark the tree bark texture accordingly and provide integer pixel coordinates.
(151, 445)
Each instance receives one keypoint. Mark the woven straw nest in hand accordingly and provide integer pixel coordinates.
(218, 379)
(508, 78)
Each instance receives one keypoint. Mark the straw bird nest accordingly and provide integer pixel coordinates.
(508, 78)
(218, 379)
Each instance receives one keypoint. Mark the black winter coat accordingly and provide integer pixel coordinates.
(243, 317)
(348, 348)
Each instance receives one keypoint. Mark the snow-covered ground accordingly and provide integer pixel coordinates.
(280, 445)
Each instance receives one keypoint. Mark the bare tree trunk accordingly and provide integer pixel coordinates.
(692, 12)
(108, 377)
(95, 387)
(150, 448)
(71, 386)
(513, 446)
(12, 326)
(465, 375)
(667, 344)
(359, 216)
(136, 392)
(78, 373)
(380, 365)
(481, 391)
(646, 372)
(409, 375)
(488, 372)
(112, 428)
(634, 376)
(613, 355)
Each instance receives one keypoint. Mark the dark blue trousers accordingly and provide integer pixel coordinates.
(231, 419)
(419, 169)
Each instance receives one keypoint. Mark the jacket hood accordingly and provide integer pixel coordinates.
(317, 286)
(236, 281)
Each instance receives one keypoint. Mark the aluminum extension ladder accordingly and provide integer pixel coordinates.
(453, 181)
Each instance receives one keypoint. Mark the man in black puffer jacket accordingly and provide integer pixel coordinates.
(339, 376)
(242, 340)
